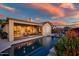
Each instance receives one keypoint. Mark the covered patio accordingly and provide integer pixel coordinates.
(23, 30)
(19, 29)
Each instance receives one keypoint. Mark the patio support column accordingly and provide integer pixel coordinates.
(11, 36)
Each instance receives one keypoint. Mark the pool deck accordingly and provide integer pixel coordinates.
(52, 52)
(5, 44)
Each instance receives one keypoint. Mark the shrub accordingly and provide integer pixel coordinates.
(67, 47)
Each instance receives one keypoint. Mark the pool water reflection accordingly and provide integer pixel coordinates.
(26, 49)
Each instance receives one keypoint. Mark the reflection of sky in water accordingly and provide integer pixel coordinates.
(49, 42)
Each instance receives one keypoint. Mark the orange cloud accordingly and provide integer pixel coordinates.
(49, 8)
(10, 9)
(75, 24)
(74, 14)
(7, 8)
(68, 5)
(56, 22)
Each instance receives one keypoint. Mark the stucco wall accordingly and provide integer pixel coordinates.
(6, 28)
(46, 29)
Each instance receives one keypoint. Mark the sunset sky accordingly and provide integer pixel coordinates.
(61, 12)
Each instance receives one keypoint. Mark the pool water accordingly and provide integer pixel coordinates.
(40, 47)
(26, 50)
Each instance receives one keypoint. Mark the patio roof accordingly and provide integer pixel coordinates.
(21, 20)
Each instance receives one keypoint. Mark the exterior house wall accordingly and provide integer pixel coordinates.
(9, 29)
(6, 28)
(46, 29)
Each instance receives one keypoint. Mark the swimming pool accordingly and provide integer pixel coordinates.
(37, 47)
